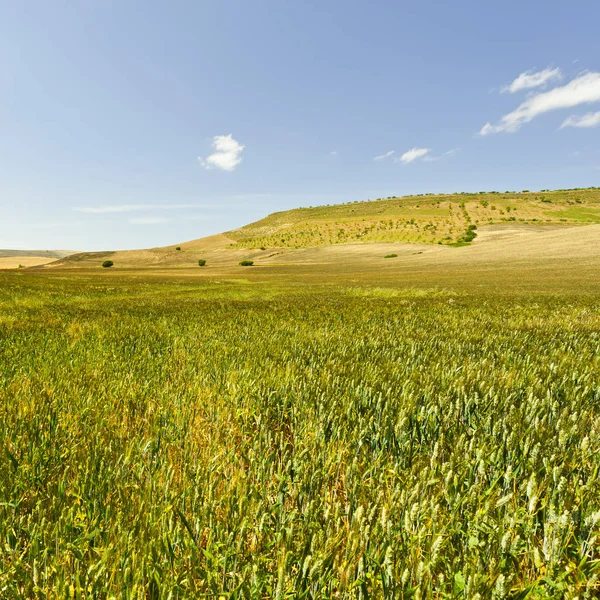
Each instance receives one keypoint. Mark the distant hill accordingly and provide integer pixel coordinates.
(15, 259)
(439, 220)
(40, 253)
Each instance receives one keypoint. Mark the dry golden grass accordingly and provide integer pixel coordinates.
(13, 262)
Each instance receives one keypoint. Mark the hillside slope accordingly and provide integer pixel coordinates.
(432, 221)
(437, 219)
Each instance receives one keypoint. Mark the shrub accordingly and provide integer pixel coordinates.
(246, 263)
(107, 263)
(201, 262)
(178, 248)
(468, 236)
(390, 256)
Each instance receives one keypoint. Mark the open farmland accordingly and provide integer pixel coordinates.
(301, 432)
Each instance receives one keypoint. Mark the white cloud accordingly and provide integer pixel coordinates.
(413, 154)
(119, 208)
(448, 154)
(384, 156)
(227, 156)
(584, 89)
(149, 220)
(588, 120)
(528, 80)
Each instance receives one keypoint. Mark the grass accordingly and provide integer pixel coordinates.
(172, 437)
(576, 213)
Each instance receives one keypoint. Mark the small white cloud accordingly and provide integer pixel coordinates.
(448, 154)
(529, 80)
(119, 208)
(584, 89)
(227, 156)
(149, 220)
(412, 155)
(384, 156)
(333, 153)
(588, 120)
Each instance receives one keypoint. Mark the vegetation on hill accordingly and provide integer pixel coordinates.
(431, 218)
(165, 438)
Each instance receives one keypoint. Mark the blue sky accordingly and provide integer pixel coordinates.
(129, 124)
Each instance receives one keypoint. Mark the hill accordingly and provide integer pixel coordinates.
(437, 219)
(431, 220)
(13, 259)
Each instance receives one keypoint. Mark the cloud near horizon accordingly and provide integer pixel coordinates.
(227, 156)
(529, 80)
(412, 155)
(149, 220)
(120, 208)
(584, 89)
(590, 119)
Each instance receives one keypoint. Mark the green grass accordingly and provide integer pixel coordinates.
(165, 437)
(575, 213)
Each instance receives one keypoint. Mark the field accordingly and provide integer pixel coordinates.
(412, 427)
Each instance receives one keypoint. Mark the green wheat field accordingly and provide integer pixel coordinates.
(238, 435)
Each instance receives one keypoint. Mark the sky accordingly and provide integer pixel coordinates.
(132, 124)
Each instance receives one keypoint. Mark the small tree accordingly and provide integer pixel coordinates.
(201, 262)
(178, 248)
(246, 263)
(107, 263)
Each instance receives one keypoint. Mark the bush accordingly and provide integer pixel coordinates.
(246, 263)
(201, 262)
(107, 263)
(178, 248)
(390, 256)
